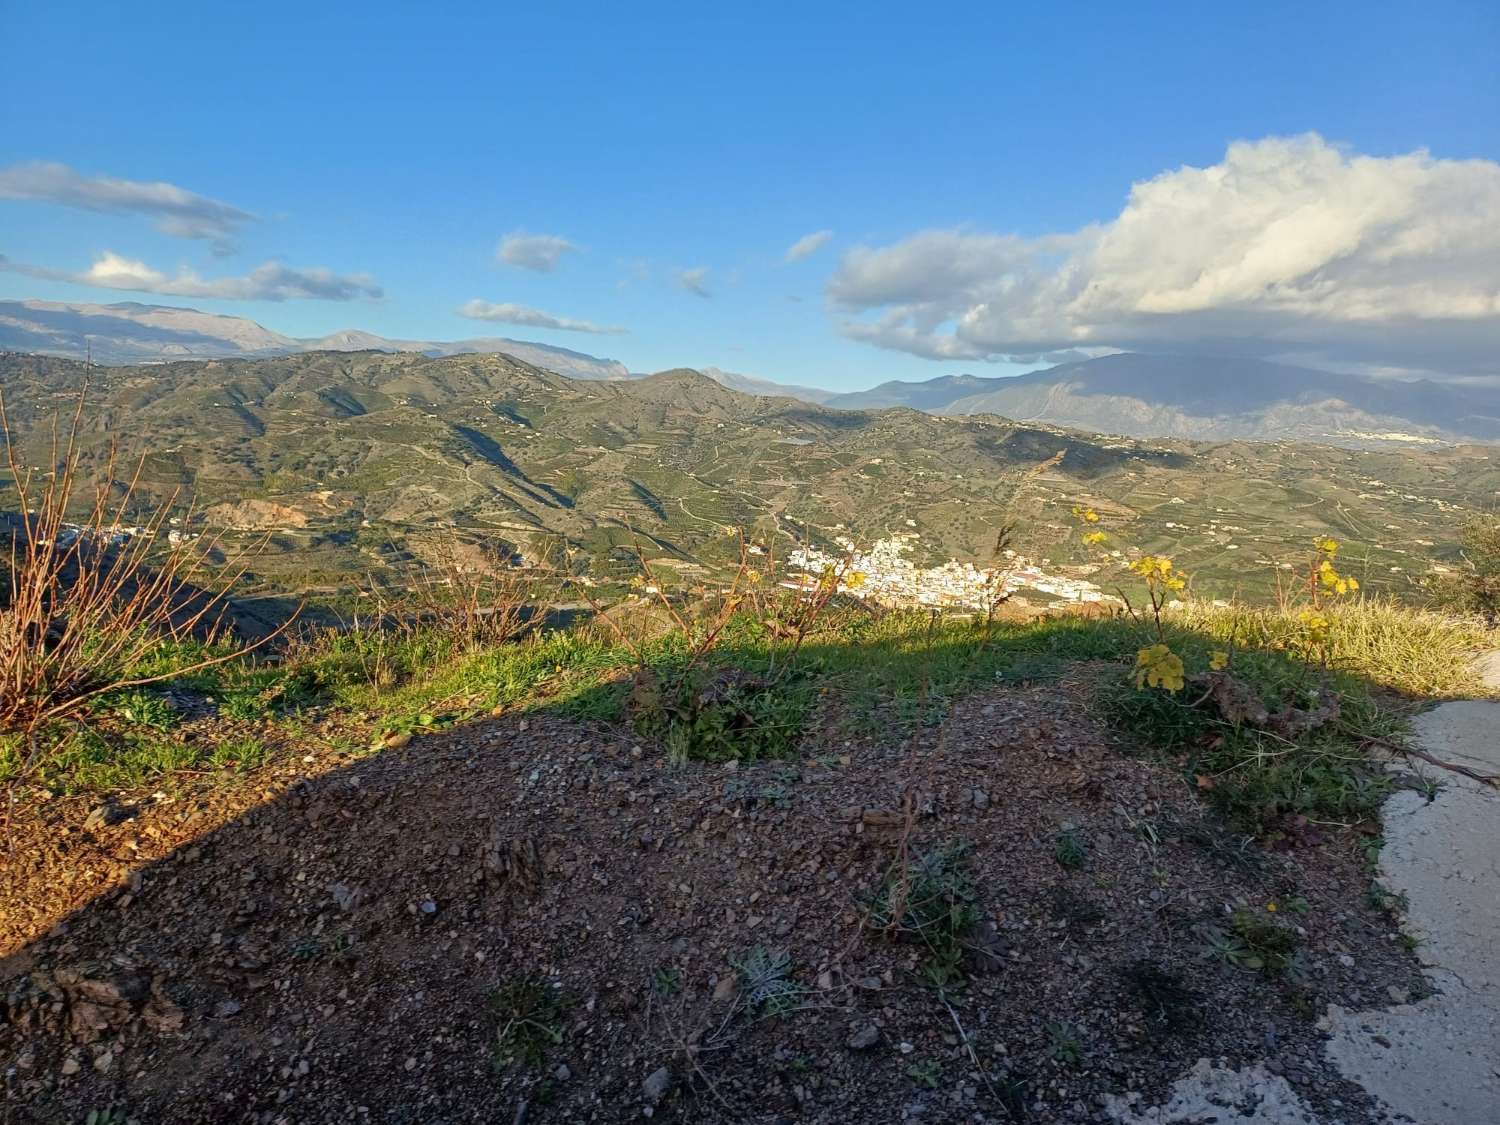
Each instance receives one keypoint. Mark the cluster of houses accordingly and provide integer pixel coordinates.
(883, 573)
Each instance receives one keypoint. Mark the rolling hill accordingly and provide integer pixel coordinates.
(357, 461)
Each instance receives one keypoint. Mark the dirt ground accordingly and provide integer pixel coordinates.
(326, 941)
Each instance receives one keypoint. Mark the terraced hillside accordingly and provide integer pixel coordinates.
(351, 460)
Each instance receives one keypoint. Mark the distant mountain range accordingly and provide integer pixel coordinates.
(128, 332)
(1207, 398)
(1136, 395)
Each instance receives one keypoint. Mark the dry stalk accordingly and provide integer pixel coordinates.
(88, 601)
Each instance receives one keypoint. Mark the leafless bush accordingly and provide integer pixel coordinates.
(480, 603)
(88, 601)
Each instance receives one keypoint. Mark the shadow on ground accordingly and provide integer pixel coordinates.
(324, 939)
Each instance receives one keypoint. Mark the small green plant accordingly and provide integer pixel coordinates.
(765, 980)
(1380, 898)
(720, 714)
(666, 981)
(931, 900)
(927, 1073)
(1475, 588)
(337, 947)
(1069, 848)
(1255, 942)
(529, 1013)
(1065, 1046)
(111, 1116)
(240, 755)
(143, 709)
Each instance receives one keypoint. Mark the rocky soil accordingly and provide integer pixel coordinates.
(531, 920)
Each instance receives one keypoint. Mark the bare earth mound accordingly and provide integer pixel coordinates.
(351, 939)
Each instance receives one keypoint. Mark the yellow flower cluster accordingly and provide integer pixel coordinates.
(1315, 625)
(1157, 571)
(1158, 666)
(1090, 538)
(1218, 661)
(1084, 513)
(1329, 579)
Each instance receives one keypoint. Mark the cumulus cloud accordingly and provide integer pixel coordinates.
(539, 253)
(533, 318)
(177, 211)
(1289, 245)
(807, 246)
(695, 280)
(268, 282)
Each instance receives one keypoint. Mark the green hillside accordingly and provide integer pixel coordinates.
(348, 459)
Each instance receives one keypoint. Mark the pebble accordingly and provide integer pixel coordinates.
(864, 1037)
(656, 1085)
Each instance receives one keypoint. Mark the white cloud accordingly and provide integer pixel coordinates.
(695, 280)
(268, 282)
(807, 245)
(539, 253)
(1288, 245)
(177, 211)
(533, 318)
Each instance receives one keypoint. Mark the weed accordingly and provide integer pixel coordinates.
(1255, 942)
(927, 1073)
(666, 981)
(1065, 1046)
(529, 1013)
(931, 900)
(1236, 852)
(142, 709)
(240, 755)
(1380, 898)
(765, 980)
(720, 714)
(338, 947)
(1069, 848)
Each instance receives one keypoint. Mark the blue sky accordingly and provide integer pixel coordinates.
(398, 144)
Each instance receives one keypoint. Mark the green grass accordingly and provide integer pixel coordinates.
(892, 676)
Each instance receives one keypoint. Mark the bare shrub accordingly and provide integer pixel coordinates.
(88, 601)
(481, 602)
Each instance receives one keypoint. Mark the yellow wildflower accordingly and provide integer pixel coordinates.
(1219, 660)
(1316, 626)
(1092, 537)
(1086, 514)
(1158, 666)
(854, 580)
(1157, 570)
(1326, 545)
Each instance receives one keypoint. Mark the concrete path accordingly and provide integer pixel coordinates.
(1435, 1062)
(1438, 1061)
